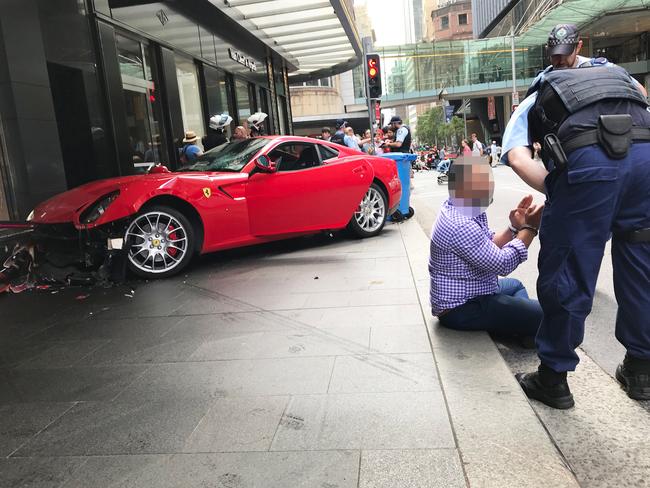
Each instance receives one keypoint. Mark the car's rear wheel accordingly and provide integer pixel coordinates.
(160, 242)
(369, 218)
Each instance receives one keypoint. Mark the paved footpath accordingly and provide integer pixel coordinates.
(311, 363)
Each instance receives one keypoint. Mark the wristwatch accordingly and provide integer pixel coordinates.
(513, 229)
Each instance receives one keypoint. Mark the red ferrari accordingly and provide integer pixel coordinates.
(244, 192)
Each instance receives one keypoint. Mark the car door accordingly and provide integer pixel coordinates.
(305, 194)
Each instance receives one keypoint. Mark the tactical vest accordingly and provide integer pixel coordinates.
(564, 92)
(338, 138)
(406, 144)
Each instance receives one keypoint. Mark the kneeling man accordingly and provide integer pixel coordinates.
(467, 258)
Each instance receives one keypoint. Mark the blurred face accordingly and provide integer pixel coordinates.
(325, 134)
(240, 133)
(366, 134)
(349, 131)
(474, 137)
(472, 185)
(560, 61)
(390, 134)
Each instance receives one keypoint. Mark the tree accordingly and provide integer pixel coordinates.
(432, 128)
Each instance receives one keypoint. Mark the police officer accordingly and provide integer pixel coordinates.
(402, 136)
(255, 123)
(596, 175)
(216, 136)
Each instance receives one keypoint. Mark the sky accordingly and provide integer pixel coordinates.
(389, 20)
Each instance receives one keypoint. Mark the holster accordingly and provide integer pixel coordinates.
(553, 150)
(615, 134)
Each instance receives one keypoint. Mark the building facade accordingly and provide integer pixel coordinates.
(91, 89)
(485, 13)
(452, 21)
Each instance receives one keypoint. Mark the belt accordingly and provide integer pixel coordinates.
(634, 236)
(590, 137)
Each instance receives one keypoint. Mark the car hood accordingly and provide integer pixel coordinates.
(67, 206)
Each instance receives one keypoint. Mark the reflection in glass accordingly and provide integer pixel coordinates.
(188, 88)
(228, 157)
(242, 95)
(142, 107)
(86, 144)
(217, 93)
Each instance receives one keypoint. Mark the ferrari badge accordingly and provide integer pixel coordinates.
(207, 192)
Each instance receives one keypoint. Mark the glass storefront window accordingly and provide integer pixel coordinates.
(86, 142)
(282, 111)
(242, 96)
(142, 106)
(188, 88)
(217, 93)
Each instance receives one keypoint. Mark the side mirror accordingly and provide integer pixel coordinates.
(264, 164)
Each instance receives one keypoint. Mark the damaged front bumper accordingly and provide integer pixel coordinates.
(63, 254)
(64, 245)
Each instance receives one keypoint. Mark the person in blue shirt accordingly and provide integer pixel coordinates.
(596, 175)
(190, 151)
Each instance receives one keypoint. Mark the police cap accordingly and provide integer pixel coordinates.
(563, 39)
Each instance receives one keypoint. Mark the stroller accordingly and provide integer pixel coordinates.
(443, 171)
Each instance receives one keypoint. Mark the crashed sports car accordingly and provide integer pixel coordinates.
(241, 193)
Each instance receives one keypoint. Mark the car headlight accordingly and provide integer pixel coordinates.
(97, 209)
(30, 217)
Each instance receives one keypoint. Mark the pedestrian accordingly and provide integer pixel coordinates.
(325, 134)
(596, 175)
(493, 154)
(466, 150)
(366, 143)
(190, 151)
(256, 124)
(216, 136)
(466, 258)
(239, 133)
(477, 146)
(402, 132)
(340, 136)
(152, 155)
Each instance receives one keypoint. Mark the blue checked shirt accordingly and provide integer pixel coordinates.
(464, 262)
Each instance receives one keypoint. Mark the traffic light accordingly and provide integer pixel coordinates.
(373, 69)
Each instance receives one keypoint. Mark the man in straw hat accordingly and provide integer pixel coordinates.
(190, 151)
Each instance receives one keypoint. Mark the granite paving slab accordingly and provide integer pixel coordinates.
(416, 420)
(425, 468)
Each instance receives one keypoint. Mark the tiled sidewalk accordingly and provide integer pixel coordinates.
(305, 364)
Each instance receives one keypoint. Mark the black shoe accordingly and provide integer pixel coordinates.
(555, 396)
(636, 385)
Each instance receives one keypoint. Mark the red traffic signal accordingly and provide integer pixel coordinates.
(373, 71)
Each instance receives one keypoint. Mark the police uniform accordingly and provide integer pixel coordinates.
(598, 187)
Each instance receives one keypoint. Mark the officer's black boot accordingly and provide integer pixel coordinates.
(634, 375)
(547, 386)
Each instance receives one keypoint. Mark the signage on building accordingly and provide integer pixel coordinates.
(491, 108)
(515, 98)
(241, 59)
(162, 16)
(449, 112)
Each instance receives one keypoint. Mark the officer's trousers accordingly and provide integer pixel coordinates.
(593, 198)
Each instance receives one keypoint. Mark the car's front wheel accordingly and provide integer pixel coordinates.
(160, 242)
(369, 218)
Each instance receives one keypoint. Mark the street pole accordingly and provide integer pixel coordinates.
(367, 47)
(465, 116)
(515, 94)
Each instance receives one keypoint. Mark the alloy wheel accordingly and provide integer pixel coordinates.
(157, 242)
(371, 213)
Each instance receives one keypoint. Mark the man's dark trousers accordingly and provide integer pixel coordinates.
(594, 197)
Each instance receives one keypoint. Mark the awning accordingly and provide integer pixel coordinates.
(317, 36)
(535, 29)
